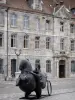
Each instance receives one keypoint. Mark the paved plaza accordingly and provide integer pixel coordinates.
(61, 90)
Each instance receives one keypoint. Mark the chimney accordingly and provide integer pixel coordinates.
(61, 3)
(57, 4)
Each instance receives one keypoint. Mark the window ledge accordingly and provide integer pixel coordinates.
(25, 48)
(1, 25)
(13, 26)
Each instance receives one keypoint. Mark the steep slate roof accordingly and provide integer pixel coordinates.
(69, 3)
(22, 5)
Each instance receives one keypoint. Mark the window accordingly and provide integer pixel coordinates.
(62, 44)
(72, 45)
(30, 3)
(47, 25)
(1, 40)
(38, 23)
(48, 66)
(37, 40)
(37, 62)
(13, 40)
(26, 39)
(47, 43)
(61, 26)
(2, 18)
(73, 10)
(26, 21)
(72, 28)
(2, 1)
(37, 4)
(1, 66)
(13, 20)
(73, 66)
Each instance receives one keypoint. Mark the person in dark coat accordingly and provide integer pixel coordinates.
(37, 78)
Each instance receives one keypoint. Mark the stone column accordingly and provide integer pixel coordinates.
(57, 68)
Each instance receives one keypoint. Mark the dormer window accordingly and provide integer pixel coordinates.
(35, 4)
(72, 28)
(38, 4)
(47, 25)
(30, 3)
(61, 26)
(2, 1)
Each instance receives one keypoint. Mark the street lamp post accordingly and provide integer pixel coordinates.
(17, 52)
(7, 38)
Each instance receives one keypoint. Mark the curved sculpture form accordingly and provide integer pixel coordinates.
(28, 81)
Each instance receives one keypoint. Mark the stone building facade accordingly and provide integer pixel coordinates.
(32, 29)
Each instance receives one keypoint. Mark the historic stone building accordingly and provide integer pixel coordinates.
(38, 30)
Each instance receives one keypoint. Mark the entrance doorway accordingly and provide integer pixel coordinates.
(62, 69)
(13, 67)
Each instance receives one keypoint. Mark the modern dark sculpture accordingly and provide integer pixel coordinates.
(29, 81)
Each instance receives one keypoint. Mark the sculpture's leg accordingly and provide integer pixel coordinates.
(38, 93)
(27, 94)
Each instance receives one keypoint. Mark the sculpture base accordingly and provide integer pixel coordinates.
(17, 74)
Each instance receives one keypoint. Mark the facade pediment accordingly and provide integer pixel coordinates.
(63, 12)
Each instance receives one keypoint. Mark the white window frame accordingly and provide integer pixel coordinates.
(47, 25)
(26, 21)
(1, 66)
(37, 4)
(71, 28)
(48, 66)
(48, 42)
(62, 41)
(73, 66)
(13, 40)
(26, 41)
(62, 26)
(1, 18)
(1, 39)
(72, 45)
(37, 42)
(38, 24)
(13, 20)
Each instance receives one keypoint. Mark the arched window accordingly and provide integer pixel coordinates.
(13, 20)
(48, 66)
